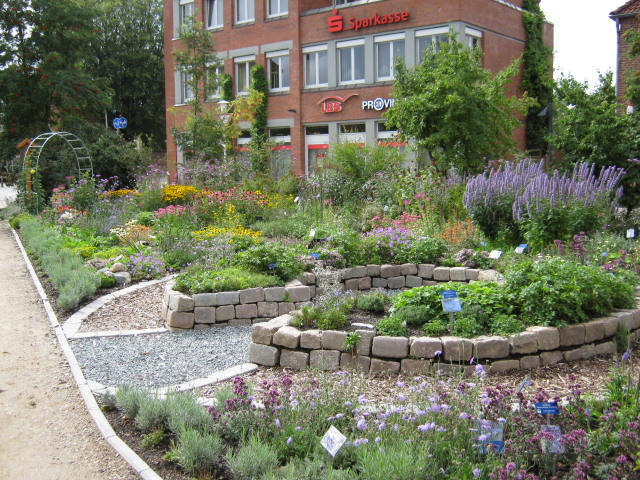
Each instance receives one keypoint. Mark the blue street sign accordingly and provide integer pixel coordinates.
(119, 122)
(547, 408)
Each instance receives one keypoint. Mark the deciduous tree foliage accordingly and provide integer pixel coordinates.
(456, 109)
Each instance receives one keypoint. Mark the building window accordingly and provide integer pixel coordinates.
(213, 83)
(213, 13)
(243, 73)
(280, 161)
(430, 39)
(337, 3)
(315, 66)
(278, 66)
(278, 8)
(351, 61)
(186, 90)
(473, 37)
(244, 11)
(352, 133)
(317, 146)
(389, 49)
(185, 13)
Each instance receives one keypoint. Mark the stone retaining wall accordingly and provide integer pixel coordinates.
(255, 305)
(277, 343)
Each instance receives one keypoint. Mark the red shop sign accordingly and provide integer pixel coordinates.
(333, 103)
(336, 22)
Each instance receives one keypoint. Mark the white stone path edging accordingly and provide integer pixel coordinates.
(88, 387)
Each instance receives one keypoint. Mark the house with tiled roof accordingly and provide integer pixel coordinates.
(626, 18)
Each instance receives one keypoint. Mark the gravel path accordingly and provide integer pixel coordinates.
(162, 359)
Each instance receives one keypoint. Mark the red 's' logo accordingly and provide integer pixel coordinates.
(333, 103)
(335, 22)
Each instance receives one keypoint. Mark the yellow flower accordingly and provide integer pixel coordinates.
(173, 193)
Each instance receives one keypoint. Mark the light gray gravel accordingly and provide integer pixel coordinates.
(161, 359)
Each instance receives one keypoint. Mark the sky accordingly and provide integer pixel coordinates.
(584, 37)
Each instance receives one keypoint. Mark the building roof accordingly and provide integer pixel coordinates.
(632, 7)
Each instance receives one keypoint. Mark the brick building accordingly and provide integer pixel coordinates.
(625, 18)
(330, 63)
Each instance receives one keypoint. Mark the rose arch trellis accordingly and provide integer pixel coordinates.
(35, 148)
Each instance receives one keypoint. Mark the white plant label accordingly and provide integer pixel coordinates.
(495, 254)
(333, 441)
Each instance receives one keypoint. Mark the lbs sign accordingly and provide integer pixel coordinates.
(336, 23)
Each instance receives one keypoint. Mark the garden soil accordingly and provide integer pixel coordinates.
(45, 430)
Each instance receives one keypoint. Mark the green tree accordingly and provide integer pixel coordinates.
(129, 54)
(456, 109)
(202, 135)
(43, 75)
(536, 75)
(589, 127)
(260, 153)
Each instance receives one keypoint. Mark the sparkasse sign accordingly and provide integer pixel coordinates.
(336, 22)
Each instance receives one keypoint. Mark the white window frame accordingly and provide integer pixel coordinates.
(249, 61)
(392, 59)
(283, 76)
(281, 10)
(315, 51)
(182, 17)
(472, 36)
(247, 9)
(217, 93)
(216, 15)
(429, 32)
(351, 45)
(186, 92)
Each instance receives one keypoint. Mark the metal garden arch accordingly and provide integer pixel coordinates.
(83, 160)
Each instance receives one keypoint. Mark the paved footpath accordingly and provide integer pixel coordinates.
(45, 430)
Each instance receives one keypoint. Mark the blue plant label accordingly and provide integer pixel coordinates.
(495, 254)
(333, 440)
(315, 255)
(547, 408)
(553, 444)
(604, 254)
(525, 383)
(450, 301)
(631, 233)
(483, 244)
(271, 266)
(491, 437)
(521, 248)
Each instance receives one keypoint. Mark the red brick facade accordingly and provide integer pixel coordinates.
(626, 19)
(495, 24)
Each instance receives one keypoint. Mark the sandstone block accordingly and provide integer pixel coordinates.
(247, 310)
(352, 284)
(606, 348)
(524, 342)
(412, 281)
(324, 359)
(205, 314)
(122, 278)
(274, 294)
(429, 283)
(201, 326)
(299, 294)
(373, 270)
(488, 276)
(285, 307)
(268, 309)
(181, 302)
(294, 359)
(491, 347)
(204, 300)
(262, 334)
(610, 326)
(409, 366)
(333, 340)
(501, 366)
(358, 362)
(548, 337)
(629, 318)
(288, 337)
(458, 274)
(424, 347)
(240, 322)
(408, 269)
(378, 282)
(251, 295)
(307, 278)
(228, 298)
(583, 353)
(550, 358)
(457, 349)
(224, 313)
(364, 344)
(364, 283)
(264, 355)
(384, 366)
(594, 331)
(183, 320)
(442, 274)
(387, 271)
(571, 335)
(355, 272)
(471, 274)
(425, 270)
(396, 282)
(390, 347)
(530, 362)
(311, 339)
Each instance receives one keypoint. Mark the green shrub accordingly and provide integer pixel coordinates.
(423, 250)
(271, 258)
(146, 219)
(331, 319)
(391, 326)
(15, 221)
(252, 460)
(350, 246)
(503, 324)
(154, 438)
(152, 413)
(413, 314)
(184, 412)
(197, 452)
(306, 317)
(128, 399)
(435, 328)
(228, 279)
(106, 281)
(351, 342)
(374, 302)
(468, 323)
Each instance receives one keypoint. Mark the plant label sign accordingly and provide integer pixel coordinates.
(521, 248)
(450, 301)
(525, 383)
(547, 408)
(312, 233)
(552, 445)
(631, 233)
(491, 437)
(333, 440)
(495, 254)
